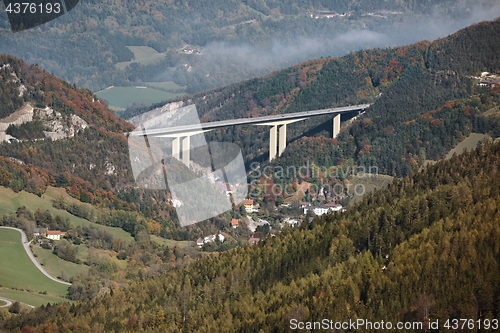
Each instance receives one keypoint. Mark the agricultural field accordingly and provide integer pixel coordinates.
(10, 201)
(56, 266)
(492, 112)
(142, 54)
(165, 85)
(119, 98)
(360, 186)
(31, 298)
(172, 243)
(299, 194)
(468, 144)
(18, 271)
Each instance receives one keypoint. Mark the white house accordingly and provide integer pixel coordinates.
(210, 239)
(291, 222)
(55, 234)
(320, 210)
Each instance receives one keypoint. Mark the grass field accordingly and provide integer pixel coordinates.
(299, 194)
(363, 185)
(10, 201)
(56, 266)
(468, 144)
(142, 54)
(123, 97)
(2, 303)
(166, 85)
(493, 111)
(17, 269)
(171, 243)
(31, 298)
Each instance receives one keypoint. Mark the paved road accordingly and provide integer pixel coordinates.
(243, 121)
(26, 245)
(8, 301)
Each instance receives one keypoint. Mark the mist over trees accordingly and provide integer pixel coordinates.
(238, 39)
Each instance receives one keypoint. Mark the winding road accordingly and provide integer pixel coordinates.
(26, 245)
(10, 301)
(6, 300)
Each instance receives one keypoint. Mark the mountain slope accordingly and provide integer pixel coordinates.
(421, 250)
(403, 84)
(93, 165)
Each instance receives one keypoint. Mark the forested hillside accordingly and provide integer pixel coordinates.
(421, 110)
(89, 45)
(93, 166)
(423, 249)
(423, 103)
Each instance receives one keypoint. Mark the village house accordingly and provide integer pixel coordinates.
(320, 210)
(55, 234)
(234, 223)
(249, 206)
(199, 242)
(491, 82)
(291, 222)
(211, 238)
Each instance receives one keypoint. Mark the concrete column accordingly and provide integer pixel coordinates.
(336, 125)
(186, 146)
(282, 143)
(176, 148)
(273, 142)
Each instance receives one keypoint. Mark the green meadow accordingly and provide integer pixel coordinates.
(31, 298)
(142, 54)
(165, 85)
(467, 144)
(17, 269)
(10, 201)
(56, 266)
(119, 98)
(172, 243)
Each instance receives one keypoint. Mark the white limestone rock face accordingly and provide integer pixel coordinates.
(60, 126)
(142, 118)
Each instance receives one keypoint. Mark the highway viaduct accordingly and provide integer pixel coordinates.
(278, 123)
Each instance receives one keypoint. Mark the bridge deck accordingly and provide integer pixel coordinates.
(247, 121)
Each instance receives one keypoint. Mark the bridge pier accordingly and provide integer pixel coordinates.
(277, 136)
(336, 126)
(272, 142)
(186, 146)
(282, 142)
(176, 148)
(181, 145)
